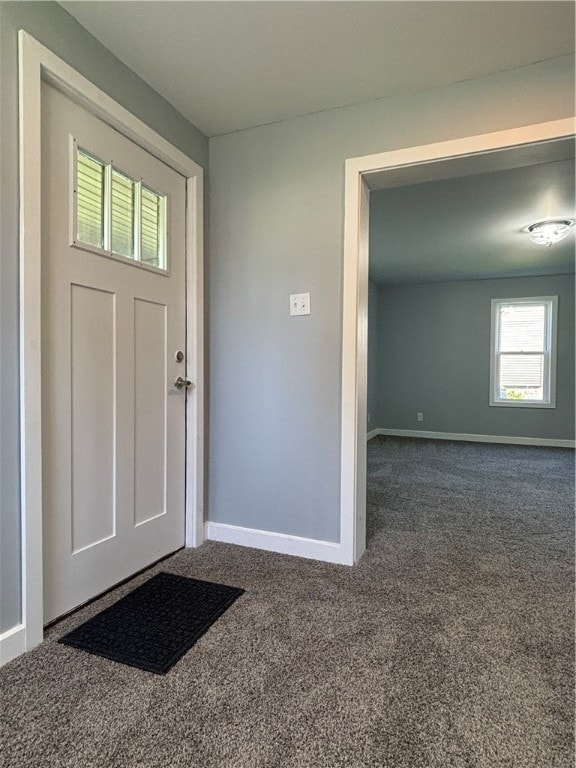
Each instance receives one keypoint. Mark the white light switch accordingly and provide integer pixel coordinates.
(299, 303)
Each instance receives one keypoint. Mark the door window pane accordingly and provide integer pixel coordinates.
(89, 200)
(122, 215)
(152, 223)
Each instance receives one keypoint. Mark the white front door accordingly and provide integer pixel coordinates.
(113, 323)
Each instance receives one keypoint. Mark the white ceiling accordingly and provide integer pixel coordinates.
(473, 227)
(232, 65)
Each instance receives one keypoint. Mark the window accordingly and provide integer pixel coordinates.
(523, 358)
(117, 215)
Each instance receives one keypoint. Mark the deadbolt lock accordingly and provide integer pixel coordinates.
(179, 356)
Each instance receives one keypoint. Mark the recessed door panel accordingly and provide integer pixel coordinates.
(93, 409)
(150, 395)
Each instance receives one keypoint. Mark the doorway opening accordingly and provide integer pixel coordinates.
(462, 157)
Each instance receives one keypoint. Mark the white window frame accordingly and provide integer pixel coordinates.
(551, 333)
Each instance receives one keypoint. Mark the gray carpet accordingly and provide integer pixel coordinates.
(448, 646)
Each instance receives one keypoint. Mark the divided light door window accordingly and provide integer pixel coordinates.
(117, 215)
(523, 359)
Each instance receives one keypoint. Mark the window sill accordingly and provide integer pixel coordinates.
(520, 404)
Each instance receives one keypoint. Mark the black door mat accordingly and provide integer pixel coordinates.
(153, 626)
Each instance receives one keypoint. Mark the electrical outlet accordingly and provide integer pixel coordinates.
(419, 416)
(299, 303)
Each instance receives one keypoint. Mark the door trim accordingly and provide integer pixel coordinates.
(358, 172)
(38, 63)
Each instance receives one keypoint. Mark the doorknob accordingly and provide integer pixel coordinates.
(181, 383)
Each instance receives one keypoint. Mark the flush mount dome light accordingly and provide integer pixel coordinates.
(549, 232)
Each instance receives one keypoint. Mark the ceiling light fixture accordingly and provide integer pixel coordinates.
(549, 232)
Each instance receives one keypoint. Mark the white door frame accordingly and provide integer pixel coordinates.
(38, 63)
(355, 301)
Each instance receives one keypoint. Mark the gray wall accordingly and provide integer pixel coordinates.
(434, 357)
(56, 29)
(277, 203)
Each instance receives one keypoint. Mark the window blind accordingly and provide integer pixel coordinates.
(522, 329)
(90, 200)
(122, 215)
(521, 370)
(150, 227)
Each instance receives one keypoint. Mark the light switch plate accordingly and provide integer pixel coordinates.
(299, 303)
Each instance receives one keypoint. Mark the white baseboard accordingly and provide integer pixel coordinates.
(12, 643)
(313, 549)
(545, 442)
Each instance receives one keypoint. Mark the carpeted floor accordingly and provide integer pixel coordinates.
(448, 646)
